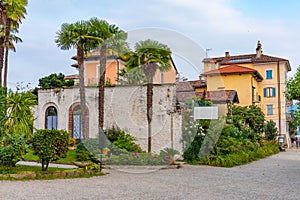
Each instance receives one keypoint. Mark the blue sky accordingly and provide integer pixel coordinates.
(187, 26)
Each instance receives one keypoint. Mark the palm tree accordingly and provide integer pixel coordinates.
(12, 39)
(113, 42)
(15, 11)
(149, 55)
(20, 114)
(77, 36)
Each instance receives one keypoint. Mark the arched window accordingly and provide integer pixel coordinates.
(77, 123)
(51, 118)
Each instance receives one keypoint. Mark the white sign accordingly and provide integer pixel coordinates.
(210, 112)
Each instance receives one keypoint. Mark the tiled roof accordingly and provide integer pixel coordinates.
(185, 90)
(184, 86)
(94, 55)
(230, 70)
(74, 76)
(220, 96)
(248, 58)
(198, 84)
(235, 69)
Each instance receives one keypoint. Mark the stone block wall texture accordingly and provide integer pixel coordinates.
(125, 107)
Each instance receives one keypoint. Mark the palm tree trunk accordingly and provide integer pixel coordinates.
(1, 60)
(101, 86)
(149, 112)
(149, 70)
(84, 114)
(7, 35)
(5, 67)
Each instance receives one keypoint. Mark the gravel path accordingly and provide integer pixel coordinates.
(276, 177)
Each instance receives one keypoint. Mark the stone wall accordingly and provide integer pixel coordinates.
(125, 107)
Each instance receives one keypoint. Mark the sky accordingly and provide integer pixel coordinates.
(193, 29)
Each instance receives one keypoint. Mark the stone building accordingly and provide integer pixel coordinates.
(125, 107)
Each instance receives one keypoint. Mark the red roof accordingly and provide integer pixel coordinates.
(235, 69)
(74, 76)
(220, 96)
(198, 83)
(230, 70)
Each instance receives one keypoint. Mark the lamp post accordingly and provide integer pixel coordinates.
(102, 145)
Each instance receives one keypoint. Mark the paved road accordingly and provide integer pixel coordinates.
(276, 177)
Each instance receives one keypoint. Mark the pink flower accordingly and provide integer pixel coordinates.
(136, 154)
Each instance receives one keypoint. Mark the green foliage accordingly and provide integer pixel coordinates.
(241, 157)
(122, 140)
(133, 76)
(248, 115)
(20, 114)
(12, 149)
(197, 102)
(72, 142)
(270, 130)
(292, 87)
(87, 149)
(295, 122)
(118, 142)
(164, 158)
(55, 81)
(50, 145)
(3, 110)
(126, 142)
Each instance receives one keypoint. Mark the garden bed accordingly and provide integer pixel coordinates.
(22, 172)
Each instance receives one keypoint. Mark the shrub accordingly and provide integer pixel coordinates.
(240, 158)
(50, 145)
(192, 153)
(122, 140)
(86, 149)
(12, 150)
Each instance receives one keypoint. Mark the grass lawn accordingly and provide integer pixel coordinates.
(23, 172)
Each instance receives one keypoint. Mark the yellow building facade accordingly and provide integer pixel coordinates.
(114, 65)
(257, 78)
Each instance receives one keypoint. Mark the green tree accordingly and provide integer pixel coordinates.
(248, 115)
(134, 76)
(12, 14)
(55, 81)
(270, 130)
(111, 40)
(78, 36)
(293, 87)
(150, 56)
(20, 114)
(50, 145)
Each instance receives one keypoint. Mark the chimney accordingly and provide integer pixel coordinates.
(227, 54)
(258, 49)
